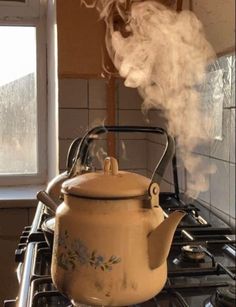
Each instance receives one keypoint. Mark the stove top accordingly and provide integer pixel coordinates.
(201, 263)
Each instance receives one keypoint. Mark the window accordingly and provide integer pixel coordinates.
(22, 100)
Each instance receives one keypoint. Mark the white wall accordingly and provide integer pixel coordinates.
(221, 194)
(82, 105)
(218, 19)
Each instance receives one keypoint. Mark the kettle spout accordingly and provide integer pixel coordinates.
(160, 239)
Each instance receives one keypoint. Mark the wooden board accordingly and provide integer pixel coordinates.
(81, 41)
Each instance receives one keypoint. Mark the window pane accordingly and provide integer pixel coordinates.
(18, 118)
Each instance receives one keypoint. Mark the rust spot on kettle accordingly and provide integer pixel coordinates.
(98, 285)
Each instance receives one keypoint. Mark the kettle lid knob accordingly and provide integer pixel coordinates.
(110, 166)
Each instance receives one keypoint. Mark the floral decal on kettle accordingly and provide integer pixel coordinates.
(77, 252)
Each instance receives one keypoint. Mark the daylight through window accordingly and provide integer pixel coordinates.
(18, 100)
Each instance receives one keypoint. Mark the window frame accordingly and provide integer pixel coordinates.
(14, 9)
(41, 101)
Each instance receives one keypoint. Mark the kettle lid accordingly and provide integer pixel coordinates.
(111, 183)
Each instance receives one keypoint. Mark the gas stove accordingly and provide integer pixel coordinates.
(201, 262)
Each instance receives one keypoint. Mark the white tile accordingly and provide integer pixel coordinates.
(232, 190)
(221, 78)
(220, 148)
(73, 93)
(219, 186)
(205, 195)
(181, 173)
(98, 149)
(227, 66)
(97, 117)
(165, 186)
(233, 99)
(133, 154)
(203, 148)
(128, 98)
(64, 146)
(97, 94)
(232, 136)
(98, 152)
(168, 176)
(232, 102)
(155, 152)
(131, 118)
(12, 221)
(155, 119)
(72, 123)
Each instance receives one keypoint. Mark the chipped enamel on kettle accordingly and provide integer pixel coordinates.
(111, 239)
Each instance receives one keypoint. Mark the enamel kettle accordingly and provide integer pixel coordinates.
(111, 239)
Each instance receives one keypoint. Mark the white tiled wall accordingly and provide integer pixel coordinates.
(97, 94)
(156, 147)
(219, 187)
(82, 105)
(73, 93)
(232, 136)
(221, 194)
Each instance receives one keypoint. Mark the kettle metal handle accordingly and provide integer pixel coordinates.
(92, 134)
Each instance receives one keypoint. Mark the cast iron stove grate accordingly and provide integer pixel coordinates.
(189, 284)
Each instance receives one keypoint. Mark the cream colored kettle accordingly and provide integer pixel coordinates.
(111, 240)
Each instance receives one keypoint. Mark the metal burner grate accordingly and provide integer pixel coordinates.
(199, 227)
(44, 294)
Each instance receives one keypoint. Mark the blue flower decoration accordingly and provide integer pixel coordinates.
(77, 251)
(81, 251)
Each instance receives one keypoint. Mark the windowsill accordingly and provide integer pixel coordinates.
(19, 196)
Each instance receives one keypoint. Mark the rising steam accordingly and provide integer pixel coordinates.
(164, 54)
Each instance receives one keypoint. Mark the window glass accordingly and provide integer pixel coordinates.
(18, 100)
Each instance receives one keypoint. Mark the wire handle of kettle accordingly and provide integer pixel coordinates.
(168, 153)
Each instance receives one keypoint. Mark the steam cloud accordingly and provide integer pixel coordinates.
(164, 54)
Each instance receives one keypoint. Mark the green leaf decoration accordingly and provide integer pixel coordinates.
(117, 260)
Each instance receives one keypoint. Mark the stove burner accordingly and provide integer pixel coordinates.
(192, 253)
(225, 296)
